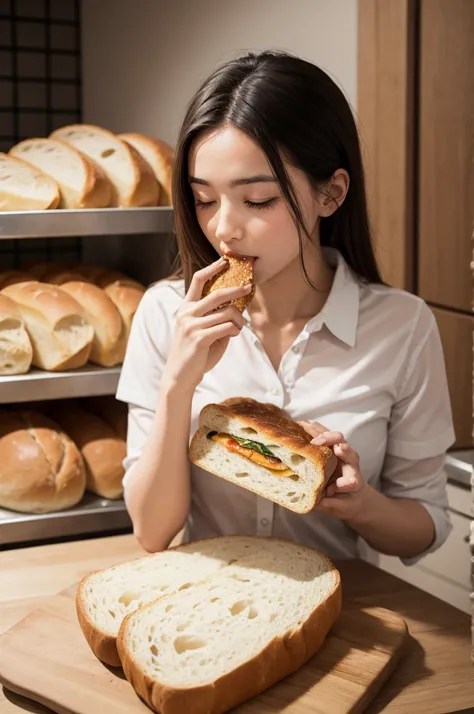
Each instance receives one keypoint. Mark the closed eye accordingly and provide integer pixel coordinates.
(251, 204)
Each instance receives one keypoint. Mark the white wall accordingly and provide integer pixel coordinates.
(143, 59)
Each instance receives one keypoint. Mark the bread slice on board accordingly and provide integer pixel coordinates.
(60, 334)
(220, 642)
(104, 598)
(23, 187)
(159, 156)
(133, 180)
(16, 352)
(82, 183)
(257, 446)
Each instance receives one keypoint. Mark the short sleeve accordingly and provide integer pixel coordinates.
(421, 422)
(421, 430)
(147, 348)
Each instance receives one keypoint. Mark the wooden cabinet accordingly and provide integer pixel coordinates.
(456, 333)
(446, 152)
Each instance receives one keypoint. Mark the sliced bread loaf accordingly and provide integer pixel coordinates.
(210, 647)
(132, 178)
(82, 183)
(23, 187)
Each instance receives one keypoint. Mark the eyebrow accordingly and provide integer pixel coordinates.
(260, 178)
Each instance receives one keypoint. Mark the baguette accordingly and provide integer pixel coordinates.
(133, 181)
(106, 597)
(24, 187)
(60, 334)
(208, 648)
(16, 352)
(41, 469)
(159, 156)
(257, 446)
(82, 183)
(102, 450)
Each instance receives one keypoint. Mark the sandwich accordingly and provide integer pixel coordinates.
(238, 271)
(259, 447)
(206, 625)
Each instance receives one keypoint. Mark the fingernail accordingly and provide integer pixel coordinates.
(319, 440)
(248, 287)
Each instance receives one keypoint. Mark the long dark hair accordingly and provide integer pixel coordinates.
(291, 109)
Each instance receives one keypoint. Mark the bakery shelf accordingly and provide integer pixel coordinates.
(37, 384)
(85, 222)
(92, 515)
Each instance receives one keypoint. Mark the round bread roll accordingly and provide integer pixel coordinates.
(102, 450)
(41, 469)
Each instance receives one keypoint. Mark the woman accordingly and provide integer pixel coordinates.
(268, 166)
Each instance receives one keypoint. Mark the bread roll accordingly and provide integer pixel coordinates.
(41, 269)
(133, 180)
(159, 156)
(102, 450)
(82, 183)
(113, 412)
(60, 334)
(16, 352)
(41, 469)
(10, 277)
(23, 187)
(110, 335)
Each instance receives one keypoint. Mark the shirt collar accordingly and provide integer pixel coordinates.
(340, 313)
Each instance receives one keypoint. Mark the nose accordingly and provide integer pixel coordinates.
(228, 227)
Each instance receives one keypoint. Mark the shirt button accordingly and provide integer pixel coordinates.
(296, 348)
(264, 522)
(275, 391)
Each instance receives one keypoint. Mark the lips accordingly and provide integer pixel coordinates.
(231, 254)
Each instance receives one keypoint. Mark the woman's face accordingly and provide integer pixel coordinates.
(239, 206)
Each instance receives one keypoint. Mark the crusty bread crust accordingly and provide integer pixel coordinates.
(280, 658)
(275, 425)
(238, 271)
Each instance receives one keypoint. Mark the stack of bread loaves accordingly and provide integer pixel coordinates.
(59, 317)
(52, 452)
(85, 166)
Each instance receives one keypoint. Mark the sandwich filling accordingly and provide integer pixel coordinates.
(253, 451)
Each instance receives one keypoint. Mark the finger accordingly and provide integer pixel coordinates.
(347, 483)
(335, 504)
(201, 277)
(329, 438)
(226, 329)
(313, 428)
(227, 314)
(219, 298)
(346, 453)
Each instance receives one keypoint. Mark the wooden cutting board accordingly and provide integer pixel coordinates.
(45, 657)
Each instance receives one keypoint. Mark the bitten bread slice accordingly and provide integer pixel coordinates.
(82, 183)
(210, 647)
(133, 180)
(257, 446)
(23, 187)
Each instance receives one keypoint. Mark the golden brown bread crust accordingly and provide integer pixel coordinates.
(238, 271)
(160, 157)
(275, 424)
(278, 659)
(102, 450)
(41, 469)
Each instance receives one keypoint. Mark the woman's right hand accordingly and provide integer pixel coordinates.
(203, 330)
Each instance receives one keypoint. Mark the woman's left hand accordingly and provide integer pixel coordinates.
(346, 495)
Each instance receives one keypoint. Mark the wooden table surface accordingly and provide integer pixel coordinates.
(436, 675)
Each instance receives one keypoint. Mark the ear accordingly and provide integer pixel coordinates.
(332, 195)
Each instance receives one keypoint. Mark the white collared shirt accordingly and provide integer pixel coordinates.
(369, 365)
